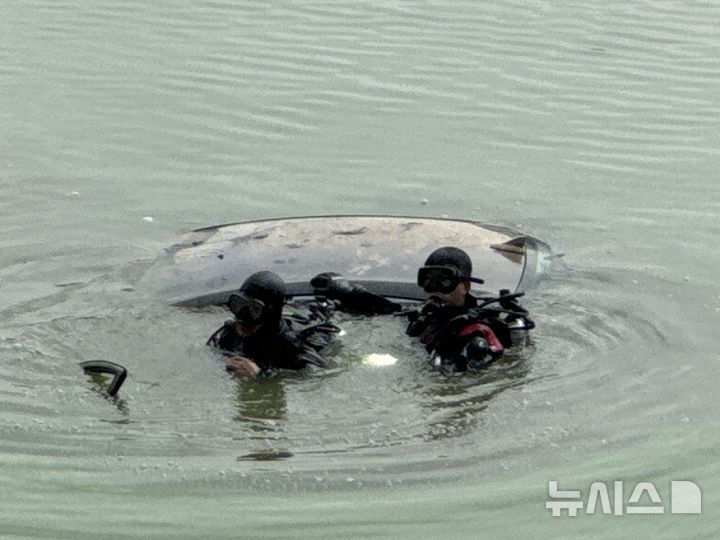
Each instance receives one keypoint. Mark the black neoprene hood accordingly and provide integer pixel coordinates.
(265, 286)
(451, 257)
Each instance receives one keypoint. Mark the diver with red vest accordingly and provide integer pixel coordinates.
(459, 330)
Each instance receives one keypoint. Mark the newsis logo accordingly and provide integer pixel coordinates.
(684, 498)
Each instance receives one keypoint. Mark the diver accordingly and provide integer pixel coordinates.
(458, 329)
(260, 340)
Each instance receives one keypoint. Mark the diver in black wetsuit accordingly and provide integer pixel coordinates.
(457, 328)
(259, 340)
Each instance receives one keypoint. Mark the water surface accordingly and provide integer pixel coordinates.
(593, 127)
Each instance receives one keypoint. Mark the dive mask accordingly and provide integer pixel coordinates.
(245, 308)
(441, 279)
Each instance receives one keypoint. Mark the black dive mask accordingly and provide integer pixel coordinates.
(247, 309)
(441, 279)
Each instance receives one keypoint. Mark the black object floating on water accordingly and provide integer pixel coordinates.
(118, 372)
(266, 456)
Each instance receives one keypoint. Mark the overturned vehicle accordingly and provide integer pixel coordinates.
(380, 253)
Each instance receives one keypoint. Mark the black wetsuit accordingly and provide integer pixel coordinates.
(275, 347)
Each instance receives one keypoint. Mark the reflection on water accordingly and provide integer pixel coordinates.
(100, 383)
(261, 404)
(454, 405)
(447, 405)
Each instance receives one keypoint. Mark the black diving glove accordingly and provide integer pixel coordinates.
(351, 298)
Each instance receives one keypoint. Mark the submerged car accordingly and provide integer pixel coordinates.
(380, 253)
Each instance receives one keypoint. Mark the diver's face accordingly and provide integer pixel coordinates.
(246, 329)
(456, 297)
(250, 313)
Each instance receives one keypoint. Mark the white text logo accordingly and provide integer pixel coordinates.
(685, 498)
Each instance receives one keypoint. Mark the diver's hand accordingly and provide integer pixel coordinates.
(241, 366)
